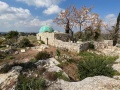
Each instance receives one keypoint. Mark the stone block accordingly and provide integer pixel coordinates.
(22, 50)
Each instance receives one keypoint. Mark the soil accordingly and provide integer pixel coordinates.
(26, 56)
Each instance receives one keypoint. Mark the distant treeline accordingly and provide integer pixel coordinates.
(20, 33)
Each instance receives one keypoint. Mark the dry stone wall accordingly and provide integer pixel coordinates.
(103, 44)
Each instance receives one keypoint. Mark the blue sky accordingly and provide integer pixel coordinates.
(30, 15)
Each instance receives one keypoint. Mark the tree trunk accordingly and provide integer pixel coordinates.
(67, 27)
(80, 28)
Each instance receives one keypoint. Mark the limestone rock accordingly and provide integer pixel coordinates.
(90, 83)
(16, 52)
(22, 50)
(8, 81)
(116, 66)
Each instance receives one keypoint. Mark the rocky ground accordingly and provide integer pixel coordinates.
(91, 83)
(8, 81)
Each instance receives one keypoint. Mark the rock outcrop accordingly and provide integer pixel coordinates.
(90, 83)
(8, 81)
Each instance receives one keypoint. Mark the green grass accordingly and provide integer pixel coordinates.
(89, 55)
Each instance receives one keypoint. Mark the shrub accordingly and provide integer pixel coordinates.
(60, 75)
(28, 83)
(58, 53)
(24, 43)
(42, 55)
(94, 65)
(91, 46)
(42, 42)
(78, 35)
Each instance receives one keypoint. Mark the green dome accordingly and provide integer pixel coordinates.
(46, 29)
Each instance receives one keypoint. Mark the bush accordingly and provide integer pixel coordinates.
(42, 55)
(91, 46)
(78, 35)
(58, 53)
(94, 65)
(24, 43)
(42, 42)
(25, 66)
(28, 83)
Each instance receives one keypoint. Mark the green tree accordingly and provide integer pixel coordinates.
(116, 31)
(24, 43)
(87, 34)
(12, 36)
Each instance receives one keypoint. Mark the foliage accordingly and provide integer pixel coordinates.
(30, 83)
(60, 75)
(24, 43)
(12, 34)
(116, 31)
(88, 34)
(65, 19)
(58, 53)
(81, 16)
(78, 35)
(42, 55)
(91, 34)
(42, 42)
(91, 45)
(1, 41)
(52, 76)
(93, 65)
(25, 66)
(78, 17)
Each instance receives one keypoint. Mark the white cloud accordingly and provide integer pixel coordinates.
(17, 18)
(110, 20)
(41, 3)
(50, 5)
(3, 6)
(32, 23)
(53, 9)
(12, 13)
(12, 18)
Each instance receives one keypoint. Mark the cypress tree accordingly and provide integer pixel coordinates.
(116, 31)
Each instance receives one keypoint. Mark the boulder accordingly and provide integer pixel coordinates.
(90, 83)
(16, 52)
(8, 81)
(22, 50)
(116, 65)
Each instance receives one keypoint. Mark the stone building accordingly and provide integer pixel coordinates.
(60, 40)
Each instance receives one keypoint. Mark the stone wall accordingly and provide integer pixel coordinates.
(103, 44)
(44, 36)
(63, 37)
(74, 47)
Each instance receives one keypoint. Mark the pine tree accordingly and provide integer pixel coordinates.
(116, 31)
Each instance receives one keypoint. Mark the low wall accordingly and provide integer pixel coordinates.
(103, 44)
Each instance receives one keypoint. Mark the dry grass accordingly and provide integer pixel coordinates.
(72, 71)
